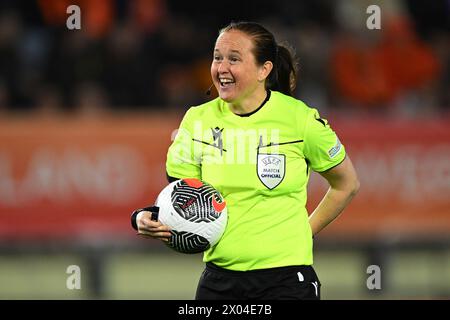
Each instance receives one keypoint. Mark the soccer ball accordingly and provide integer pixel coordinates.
(196, 213)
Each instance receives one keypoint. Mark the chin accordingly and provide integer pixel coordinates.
(226, 97)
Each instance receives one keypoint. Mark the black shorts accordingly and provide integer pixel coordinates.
(283, 283)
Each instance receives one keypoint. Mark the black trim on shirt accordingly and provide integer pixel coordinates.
(171, 179)
(271, 144)
(334, 165)
(257, 109)
(209, 144)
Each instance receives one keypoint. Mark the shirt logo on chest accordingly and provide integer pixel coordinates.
(217, 136)
(271, 169)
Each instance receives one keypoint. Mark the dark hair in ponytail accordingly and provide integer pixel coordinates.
(283, 76)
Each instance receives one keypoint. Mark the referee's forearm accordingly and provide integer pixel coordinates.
(330, 208)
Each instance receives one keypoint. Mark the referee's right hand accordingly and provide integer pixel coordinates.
(151, 229)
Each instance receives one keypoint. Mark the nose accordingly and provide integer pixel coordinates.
(223, 67)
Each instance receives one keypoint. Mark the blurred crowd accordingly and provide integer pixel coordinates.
(155, 54)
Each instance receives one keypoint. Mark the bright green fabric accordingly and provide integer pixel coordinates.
(267, 219)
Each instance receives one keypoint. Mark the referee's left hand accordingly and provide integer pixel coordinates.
(152, 229)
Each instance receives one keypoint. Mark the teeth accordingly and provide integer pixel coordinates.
(225, 81)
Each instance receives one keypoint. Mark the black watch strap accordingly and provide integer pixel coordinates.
(153, 209)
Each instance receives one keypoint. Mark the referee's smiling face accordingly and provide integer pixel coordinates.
(234, 70)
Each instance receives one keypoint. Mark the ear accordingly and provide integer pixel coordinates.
(264, 70)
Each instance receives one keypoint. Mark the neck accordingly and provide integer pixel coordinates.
(250, 103)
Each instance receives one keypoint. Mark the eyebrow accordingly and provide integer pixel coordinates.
(233, 51)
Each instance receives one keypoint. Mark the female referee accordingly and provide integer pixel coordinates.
(256, 144)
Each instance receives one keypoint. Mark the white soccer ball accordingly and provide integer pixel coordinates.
(195, 211)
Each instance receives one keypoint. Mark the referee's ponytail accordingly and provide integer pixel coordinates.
(283, 76)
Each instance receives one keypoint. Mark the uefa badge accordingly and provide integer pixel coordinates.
(271, 169)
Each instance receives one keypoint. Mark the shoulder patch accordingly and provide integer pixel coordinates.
(335, 149)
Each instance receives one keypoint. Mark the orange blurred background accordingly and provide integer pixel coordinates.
(87, 115)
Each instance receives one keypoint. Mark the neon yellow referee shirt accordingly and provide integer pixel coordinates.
(261, 165)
